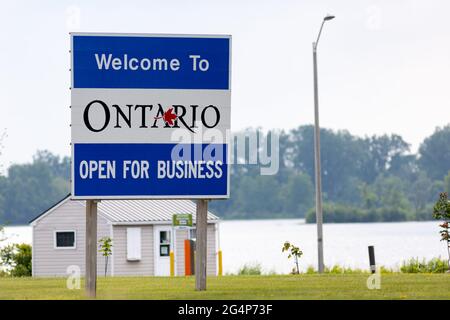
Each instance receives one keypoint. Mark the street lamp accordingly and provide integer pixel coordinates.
(319, 214)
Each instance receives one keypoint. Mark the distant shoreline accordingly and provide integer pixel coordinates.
(302, 220)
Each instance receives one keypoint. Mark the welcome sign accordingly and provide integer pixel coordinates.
(150, 116)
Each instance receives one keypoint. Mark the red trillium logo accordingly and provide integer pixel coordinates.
(168, 117)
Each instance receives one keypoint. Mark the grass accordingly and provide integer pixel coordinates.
(305, 286)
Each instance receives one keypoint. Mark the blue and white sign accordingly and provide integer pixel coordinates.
(150, 116)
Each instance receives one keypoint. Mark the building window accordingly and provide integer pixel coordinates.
(133, 244)
(193, 233)
(65, 239)
(164, 237)
(164, 250)
(164, 243)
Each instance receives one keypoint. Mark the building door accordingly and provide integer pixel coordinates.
(163, 242)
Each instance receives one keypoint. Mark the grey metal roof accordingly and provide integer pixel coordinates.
(135, 211)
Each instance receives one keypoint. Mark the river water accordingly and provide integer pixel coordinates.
(260, 241)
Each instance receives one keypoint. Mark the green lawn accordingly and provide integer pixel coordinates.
(314, 286)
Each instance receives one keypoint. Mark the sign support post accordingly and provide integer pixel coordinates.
(200, 250)
(91, 249)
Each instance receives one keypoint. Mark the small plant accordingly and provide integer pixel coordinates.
(441, 211)
(310, 270)
(105, 249)
(250, 270)
(293, 252)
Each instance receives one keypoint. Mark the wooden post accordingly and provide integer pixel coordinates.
(201, 242)
(373, 266)
(90, 282)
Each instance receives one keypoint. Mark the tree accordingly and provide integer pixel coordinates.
(364, 179)
(342, 157)
(391, 193)
(420, 191)
(58, 166)
(105, 245)
(447, 183)
(434, 153)
(441, 211)
(44, 181)
(258, 194)
(17, 259)
(293, 252)
(403, 166)
(369, 197)
(381, 151)
(297, 194)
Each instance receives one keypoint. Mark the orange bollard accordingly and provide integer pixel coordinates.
(187, 257)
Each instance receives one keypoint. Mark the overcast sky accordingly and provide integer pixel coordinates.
(384, 66)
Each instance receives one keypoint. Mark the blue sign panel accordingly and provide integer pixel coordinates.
(150, 62)
(139, 169)
(150, 116)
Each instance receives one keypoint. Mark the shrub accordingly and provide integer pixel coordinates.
(338, 213)
(414, 265)
(383, 269)
(393, 214)
(441, 211)
(250, 269)
(17, 259)
(310, 270)
(337, 269)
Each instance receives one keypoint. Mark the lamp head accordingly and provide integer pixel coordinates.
(328, 17)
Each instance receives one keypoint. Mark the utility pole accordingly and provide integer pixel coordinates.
(318, 177)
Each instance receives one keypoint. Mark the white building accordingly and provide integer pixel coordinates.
(141, 233)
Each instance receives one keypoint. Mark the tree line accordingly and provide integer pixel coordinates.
(365, 179)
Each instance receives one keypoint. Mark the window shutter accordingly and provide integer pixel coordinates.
(134, 244)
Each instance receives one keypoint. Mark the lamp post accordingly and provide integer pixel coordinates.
(319, 214)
